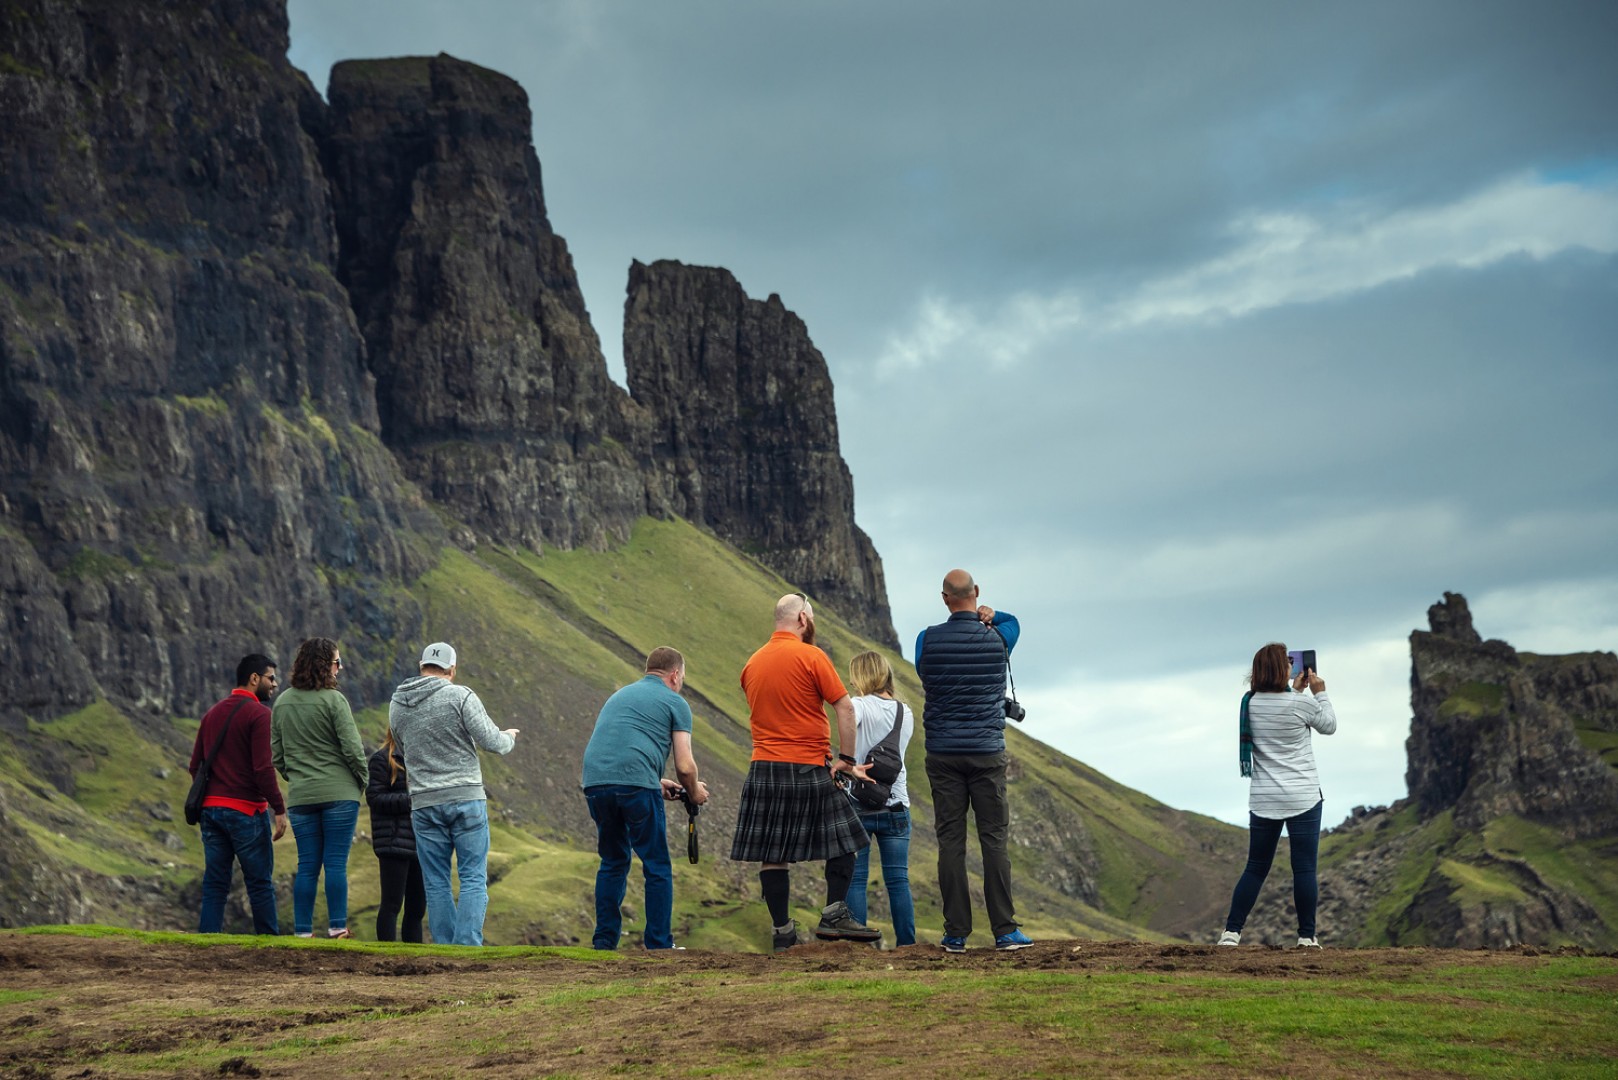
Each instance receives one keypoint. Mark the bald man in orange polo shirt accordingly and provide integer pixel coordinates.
(792, 807)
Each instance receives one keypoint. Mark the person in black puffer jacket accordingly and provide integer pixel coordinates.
(394, 841)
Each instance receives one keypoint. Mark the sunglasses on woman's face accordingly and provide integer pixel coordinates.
(337, 662)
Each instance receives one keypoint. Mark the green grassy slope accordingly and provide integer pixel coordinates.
(544, 639)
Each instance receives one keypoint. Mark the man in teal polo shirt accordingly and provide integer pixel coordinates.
(623, 780)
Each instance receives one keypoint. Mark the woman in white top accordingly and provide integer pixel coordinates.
(875, 711)
(1277, 724)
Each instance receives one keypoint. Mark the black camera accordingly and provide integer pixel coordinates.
(1014, 710)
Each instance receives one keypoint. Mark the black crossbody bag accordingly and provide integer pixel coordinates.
(885, 765)
(199, 784)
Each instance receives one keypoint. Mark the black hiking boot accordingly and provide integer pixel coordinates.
(785, 939)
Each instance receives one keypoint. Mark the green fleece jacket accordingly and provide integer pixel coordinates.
(315, 745)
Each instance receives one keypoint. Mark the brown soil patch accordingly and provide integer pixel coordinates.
(118, 1007)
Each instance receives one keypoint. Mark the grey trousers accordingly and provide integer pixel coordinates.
(978, 782)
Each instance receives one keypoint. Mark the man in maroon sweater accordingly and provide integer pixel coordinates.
(242, 790)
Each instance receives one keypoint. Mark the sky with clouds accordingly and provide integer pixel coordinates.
(1183, 326)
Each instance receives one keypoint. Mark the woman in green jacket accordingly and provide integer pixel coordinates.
(317, 748)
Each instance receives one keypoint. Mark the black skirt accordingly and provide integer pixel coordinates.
(794, 813)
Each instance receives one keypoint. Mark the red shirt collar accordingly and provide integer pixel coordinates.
(239, 692)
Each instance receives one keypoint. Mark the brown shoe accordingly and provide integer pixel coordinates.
(839, 924)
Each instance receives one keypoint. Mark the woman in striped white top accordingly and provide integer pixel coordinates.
(1278, 721)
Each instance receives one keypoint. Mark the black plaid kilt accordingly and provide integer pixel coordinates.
(794, 813)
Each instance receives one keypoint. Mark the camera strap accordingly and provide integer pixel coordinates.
(693, 850)
(1012, 679)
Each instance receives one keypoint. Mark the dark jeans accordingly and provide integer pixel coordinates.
(1263, 834)
(401, 884)
(324, 838)
(976, 782)
(631, 819)
(890, 835)
(231, 836)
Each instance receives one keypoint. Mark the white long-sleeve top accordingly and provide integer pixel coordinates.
(873, 721)
(1285, 782)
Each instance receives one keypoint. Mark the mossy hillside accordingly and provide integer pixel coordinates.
(1586, 868)
(1430, 841)
(673, 584)
(1603, 743)
(123, 807)
(1473, 700)
(544, 640)
(1479, 885)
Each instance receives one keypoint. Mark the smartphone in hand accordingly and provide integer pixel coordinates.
(1302, 660)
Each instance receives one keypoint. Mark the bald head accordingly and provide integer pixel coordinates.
(788, 608)
(960, 591)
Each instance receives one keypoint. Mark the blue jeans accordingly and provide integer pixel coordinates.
(461, 829)
(1263, 834)
(324, 838)
(890, 829)
(230, 836)
(631, 819)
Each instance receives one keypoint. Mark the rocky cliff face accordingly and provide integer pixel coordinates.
(242, 334)
(745, 432)
(188, 464)
(1485, 740)
(263, 358)
(491, 386)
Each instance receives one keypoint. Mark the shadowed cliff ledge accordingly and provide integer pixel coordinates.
(745, 437)
(491, 384)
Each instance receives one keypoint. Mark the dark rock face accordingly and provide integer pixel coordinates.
(491, 386)
(197, 458)
(1452, 619)
(745, 437)
(188, 467)
(253, 346)
(1486, 742)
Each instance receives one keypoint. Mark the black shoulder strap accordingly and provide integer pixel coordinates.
(898, 725)
(207, 762)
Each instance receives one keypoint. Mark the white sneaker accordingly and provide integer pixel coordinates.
(1308, 943)
(1230, 937)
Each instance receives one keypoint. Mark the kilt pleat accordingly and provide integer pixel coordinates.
(794, 813)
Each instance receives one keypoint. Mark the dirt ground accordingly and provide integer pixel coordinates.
(117, 1006)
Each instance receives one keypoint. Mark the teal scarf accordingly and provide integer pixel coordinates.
(1247, 737)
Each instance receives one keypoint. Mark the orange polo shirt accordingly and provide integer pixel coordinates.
(788, 685)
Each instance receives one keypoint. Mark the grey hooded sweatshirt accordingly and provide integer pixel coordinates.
(438, 728)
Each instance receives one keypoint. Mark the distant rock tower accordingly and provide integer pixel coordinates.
(1493, 730)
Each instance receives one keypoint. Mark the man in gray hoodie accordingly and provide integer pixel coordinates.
(438, 728)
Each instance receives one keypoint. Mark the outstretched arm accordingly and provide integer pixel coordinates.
(482, 729)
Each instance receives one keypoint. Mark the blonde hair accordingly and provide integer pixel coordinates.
(870, 674)
(392, 747)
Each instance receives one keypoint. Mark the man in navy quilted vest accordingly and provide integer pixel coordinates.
(962, 662)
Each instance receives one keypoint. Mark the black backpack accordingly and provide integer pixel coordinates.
(886, 764)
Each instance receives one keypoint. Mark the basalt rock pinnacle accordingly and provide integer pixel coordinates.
(745, 436)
